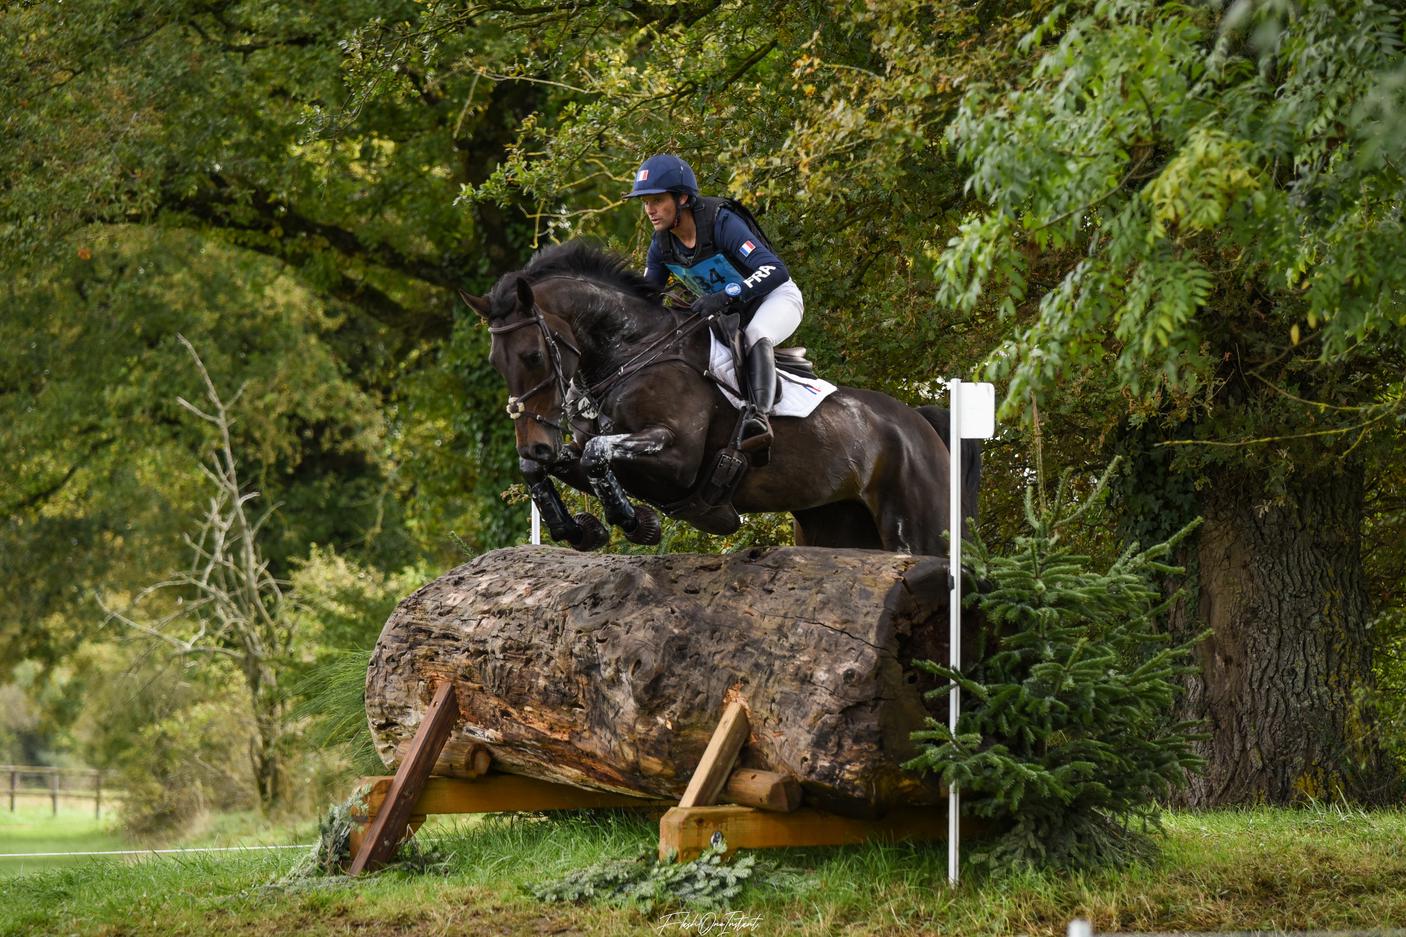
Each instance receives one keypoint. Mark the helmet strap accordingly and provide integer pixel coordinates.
(678, 210)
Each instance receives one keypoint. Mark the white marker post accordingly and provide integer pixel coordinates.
(536, 525)
(973, 409)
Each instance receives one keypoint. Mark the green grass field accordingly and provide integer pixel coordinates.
(1319, 869)
(32, 827)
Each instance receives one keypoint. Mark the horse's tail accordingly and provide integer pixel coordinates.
(941, 421)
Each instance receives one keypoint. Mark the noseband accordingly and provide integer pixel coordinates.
(516, 406)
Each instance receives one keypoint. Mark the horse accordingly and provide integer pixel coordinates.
(864, 470)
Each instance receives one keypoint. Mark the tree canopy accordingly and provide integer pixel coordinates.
(1165, 230)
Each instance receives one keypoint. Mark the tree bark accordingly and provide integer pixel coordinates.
(611, 672)
(1284, 673)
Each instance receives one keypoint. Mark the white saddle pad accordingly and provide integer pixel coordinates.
(799, 396)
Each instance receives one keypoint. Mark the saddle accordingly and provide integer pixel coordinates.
(709, 506)
(728, 329)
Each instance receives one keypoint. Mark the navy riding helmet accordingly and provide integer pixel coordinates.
(664, 173)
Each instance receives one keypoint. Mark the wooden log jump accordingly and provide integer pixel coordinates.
(764, 679)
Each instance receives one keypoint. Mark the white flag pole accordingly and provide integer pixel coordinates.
(536, 525)
(973, 417)
(954, 604)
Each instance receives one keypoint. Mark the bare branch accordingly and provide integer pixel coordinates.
(239, 610)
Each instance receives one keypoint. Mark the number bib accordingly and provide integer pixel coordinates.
(708, 275)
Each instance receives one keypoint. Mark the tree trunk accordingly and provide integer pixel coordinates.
(1284, 670)
(610, 671)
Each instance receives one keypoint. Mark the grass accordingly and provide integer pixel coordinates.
(34, 828)
(1318, 869)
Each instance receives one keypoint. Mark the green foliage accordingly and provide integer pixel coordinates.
(1388, 697)
(650, 884)
(339, 602)
(1185, 229)
(332, 698)
(185, 765)
(1064, 740)
(331, 854)
(1182, 181)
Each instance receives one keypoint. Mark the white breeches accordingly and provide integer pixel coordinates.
(778, 315)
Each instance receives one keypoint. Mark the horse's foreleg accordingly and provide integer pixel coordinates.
(560, 524)
(639, 522)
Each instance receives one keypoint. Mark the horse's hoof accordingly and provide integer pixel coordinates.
(593, 533)
(647, 530)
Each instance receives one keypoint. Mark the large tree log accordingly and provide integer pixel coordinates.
(611, 671)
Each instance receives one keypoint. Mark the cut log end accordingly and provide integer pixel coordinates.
(765, 790)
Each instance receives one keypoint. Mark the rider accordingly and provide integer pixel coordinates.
(721, 258)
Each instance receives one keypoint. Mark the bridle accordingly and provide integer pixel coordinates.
(660, 351)
(516, 407)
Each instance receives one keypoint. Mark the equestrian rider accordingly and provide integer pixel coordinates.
(713, 247)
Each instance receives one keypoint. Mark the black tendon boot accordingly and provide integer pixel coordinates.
(761, 394)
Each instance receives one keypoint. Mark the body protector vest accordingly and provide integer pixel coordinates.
(710, 268)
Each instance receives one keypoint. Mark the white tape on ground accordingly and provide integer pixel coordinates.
(143, 852)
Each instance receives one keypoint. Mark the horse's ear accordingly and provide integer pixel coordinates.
(524, 293)
(478, 304)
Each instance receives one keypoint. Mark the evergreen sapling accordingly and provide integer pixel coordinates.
(1064, 743)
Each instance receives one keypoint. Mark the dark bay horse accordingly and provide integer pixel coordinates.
(864, 470)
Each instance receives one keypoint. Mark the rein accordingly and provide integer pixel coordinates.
(641, 361)
(516, 407)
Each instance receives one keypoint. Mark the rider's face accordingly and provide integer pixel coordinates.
(660, 210)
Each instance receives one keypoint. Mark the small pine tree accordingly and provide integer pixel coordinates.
(1064, 743)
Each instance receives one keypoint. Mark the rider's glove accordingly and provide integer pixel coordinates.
(710, 303)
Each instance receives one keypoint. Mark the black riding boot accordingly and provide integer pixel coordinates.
(761, 394)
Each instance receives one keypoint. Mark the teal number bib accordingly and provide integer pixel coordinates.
(708, 275)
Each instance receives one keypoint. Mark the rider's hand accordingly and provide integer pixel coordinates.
(710, 303)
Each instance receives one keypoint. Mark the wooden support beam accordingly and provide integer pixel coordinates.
(686, 832)
(493, 793)
(390, 822)
(496, 793)
(765, 790)
(718, 758)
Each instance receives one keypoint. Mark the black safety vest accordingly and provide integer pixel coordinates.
(705, 215)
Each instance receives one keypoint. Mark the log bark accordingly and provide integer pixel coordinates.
(611, 672)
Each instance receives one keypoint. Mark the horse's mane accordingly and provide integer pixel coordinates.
(579, 259)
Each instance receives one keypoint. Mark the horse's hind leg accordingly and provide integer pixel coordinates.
(909, 505)
(842, 524)
(907, 526)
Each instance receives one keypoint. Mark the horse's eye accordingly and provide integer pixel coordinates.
(533, 359)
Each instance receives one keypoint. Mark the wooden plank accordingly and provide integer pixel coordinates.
(495, 793)
(687, 831)
(393, 817)
(718, 758)
(765, 790)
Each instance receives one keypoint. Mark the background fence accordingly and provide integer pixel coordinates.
(26, 783)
